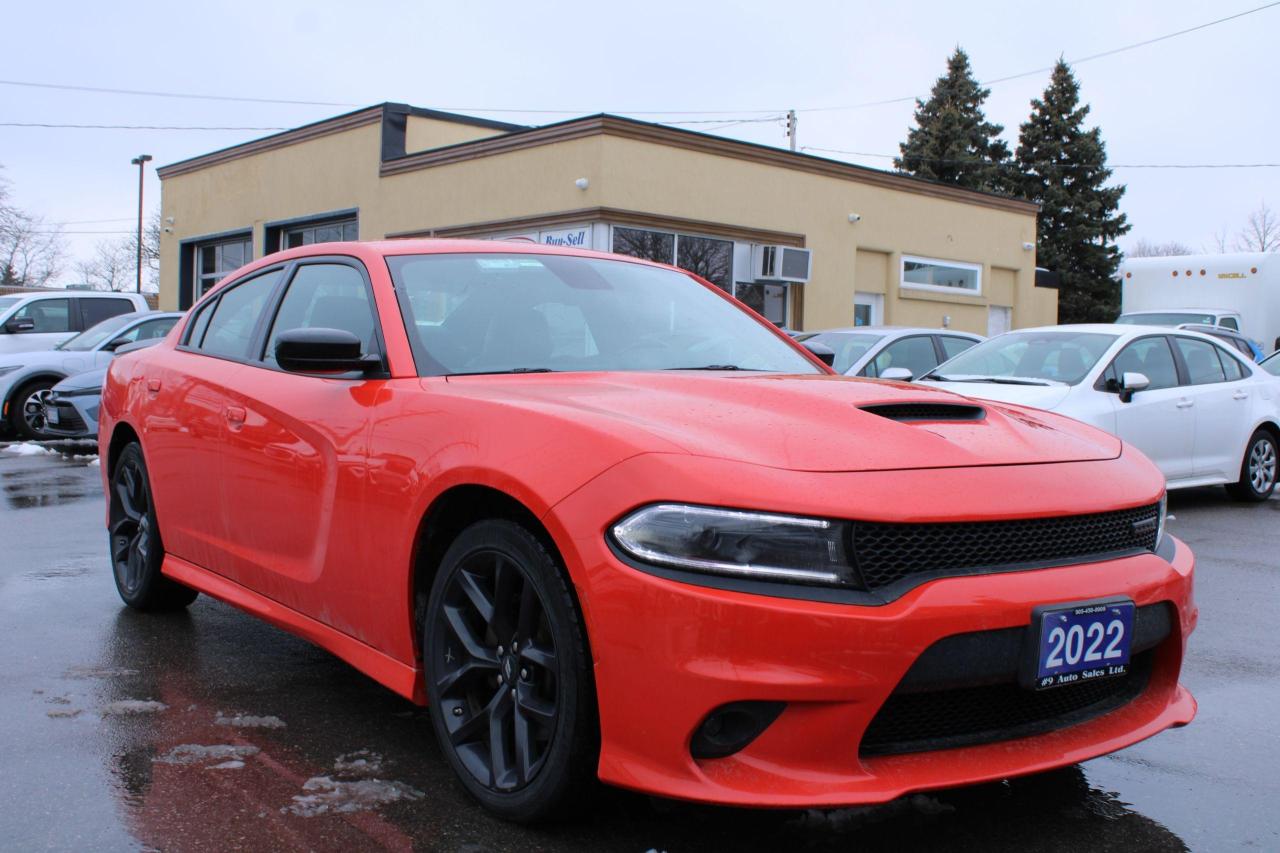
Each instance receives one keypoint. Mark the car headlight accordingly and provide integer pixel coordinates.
(10, 369)
(1161, 517)
(738, 543)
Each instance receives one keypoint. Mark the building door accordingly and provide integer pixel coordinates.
(999, 320)
(868, 309)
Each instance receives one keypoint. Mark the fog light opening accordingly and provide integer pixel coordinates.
(731, 727)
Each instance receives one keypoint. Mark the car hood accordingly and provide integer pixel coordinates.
(48, 357)
(83, 381)
(802, 423)
(1047, 397)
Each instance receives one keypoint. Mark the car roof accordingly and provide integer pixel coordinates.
(1121, 330)
(1180, 311)
(896, 330)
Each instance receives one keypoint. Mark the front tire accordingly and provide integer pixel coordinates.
(508, 674)
(26, 411)
(1258, 469)
(136, 549)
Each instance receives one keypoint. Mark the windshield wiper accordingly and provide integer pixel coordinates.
(1005, 380)
(501, 372)
(716, 367)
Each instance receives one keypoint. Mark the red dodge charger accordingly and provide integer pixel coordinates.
(608, 523)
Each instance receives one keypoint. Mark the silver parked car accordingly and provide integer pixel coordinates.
(872, 350)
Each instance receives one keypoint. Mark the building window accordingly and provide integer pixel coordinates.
(704, 256)
(944, 276)
(215, 260)
(335, 231)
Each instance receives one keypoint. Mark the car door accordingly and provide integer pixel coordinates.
(1222, 404)
(914, 352)
(185, 420)
(297, 450)
(1160, 420)
(44, 324)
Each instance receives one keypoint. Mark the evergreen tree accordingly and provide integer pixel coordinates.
(952, 141)
(1062, 166)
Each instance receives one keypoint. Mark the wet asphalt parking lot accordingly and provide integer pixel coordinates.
(209, 730)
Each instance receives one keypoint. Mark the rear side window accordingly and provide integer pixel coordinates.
(325, 296)
(1203, 365)
(229, 331)
(953, 346)
(49, 315)
(1230, 366)
(915, 354)
(94, 311)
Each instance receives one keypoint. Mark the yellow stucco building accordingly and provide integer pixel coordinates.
(877, 247)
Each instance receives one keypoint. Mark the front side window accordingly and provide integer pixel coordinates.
(1149, 356)
(229, 330)
(848, 346)
(1036, 358)
(914, 353)
(931, 274)
(150, 330)
(953, 346)
(495, 313)
(49, 315)
(325, 296)
(1201, 357)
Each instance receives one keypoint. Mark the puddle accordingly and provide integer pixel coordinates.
(248, 721)
(324, 795)
(195, 753)
(44, 487)
(129, 707)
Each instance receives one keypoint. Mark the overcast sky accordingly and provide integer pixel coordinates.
(1205, 97)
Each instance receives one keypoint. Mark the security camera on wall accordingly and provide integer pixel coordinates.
(855, 217)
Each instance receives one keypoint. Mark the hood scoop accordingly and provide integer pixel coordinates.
(931, 411)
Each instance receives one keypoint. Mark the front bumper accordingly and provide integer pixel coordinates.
(668, 653)
(71, 416)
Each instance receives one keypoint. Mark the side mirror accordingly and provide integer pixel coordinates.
(897, 374)
(116, 344)
(824, 353)
(1131, 382)
(323, 351)
(18, 325)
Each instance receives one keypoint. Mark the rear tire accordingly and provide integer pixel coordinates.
(1257, 469)
(136, 550)
(508, 675)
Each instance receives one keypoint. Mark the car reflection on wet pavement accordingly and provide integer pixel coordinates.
(210, 730)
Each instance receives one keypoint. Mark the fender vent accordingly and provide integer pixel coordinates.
(909, 412)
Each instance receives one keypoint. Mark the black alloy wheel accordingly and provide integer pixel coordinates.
(1258, 469)
(136, 550)
(507, 680)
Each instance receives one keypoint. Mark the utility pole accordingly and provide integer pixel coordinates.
(140, 161)
(791, 128)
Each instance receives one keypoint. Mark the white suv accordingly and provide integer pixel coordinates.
(46, 318)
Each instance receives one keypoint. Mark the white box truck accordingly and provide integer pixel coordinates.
(1239, 290)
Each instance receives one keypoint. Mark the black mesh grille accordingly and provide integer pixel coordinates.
(945, 719)
(69, 419)
(888, 552)
(926, 412)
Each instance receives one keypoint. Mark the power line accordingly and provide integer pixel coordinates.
(60, 231)
(1036, 71)
(94, 221)
(1040, 166)
(183, 95)
(126, 126)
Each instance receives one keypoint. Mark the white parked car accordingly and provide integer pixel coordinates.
(1199, 410)
(45, 318)
(25, 376)
(872, 350)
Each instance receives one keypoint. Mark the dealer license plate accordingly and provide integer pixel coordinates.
(1083, 642)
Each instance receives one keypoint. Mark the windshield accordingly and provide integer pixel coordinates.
(1168, 318)
(1272, 364)
(848, 346)
(7, 302)
(94, 335)
(1041, 357)
(501, 313)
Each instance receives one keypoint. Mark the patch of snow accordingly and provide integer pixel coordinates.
(195, 753)
(99, 672)
(362, 762)
(125, 707)
(28, 448)
(233, 764)
(324, 795)
(248, 721)
(94, 463)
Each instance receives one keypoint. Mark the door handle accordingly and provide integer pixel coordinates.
(235, 415)
(1240, 395)
(153, 387)
(1184, 403)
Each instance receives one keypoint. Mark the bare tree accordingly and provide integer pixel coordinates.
(114, 265)
(1145, 248)
(1261, 232)
(31, 250)
(1217, 243)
